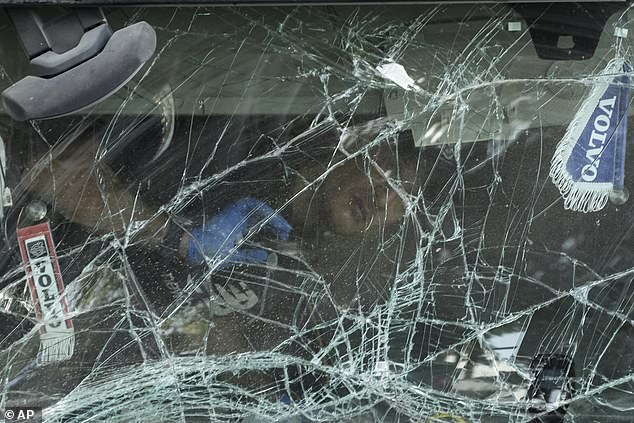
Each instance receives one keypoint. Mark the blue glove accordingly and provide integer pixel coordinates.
(217, 239)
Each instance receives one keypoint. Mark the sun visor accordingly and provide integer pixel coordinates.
(88, 69)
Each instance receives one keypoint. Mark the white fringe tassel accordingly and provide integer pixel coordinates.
(56, 346)
(583, 196)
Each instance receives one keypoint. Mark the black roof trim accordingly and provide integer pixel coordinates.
(264, 2)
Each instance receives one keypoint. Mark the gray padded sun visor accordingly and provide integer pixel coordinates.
(87, 83)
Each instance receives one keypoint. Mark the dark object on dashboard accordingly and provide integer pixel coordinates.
(553, 376)
(76, 59)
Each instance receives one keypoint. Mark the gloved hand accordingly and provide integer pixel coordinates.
(219, 237)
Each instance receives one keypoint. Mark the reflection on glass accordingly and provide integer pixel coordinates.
(320, 214)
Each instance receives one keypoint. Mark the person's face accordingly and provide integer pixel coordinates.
(357, 199)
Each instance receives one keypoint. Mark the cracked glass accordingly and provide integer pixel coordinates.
(328, 214)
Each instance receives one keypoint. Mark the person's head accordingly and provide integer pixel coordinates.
(357, 195)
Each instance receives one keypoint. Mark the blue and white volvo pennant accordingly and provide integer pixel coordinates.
(588, 165)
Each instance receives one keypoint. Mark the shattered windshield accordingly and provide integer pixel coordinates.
(329, 214)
